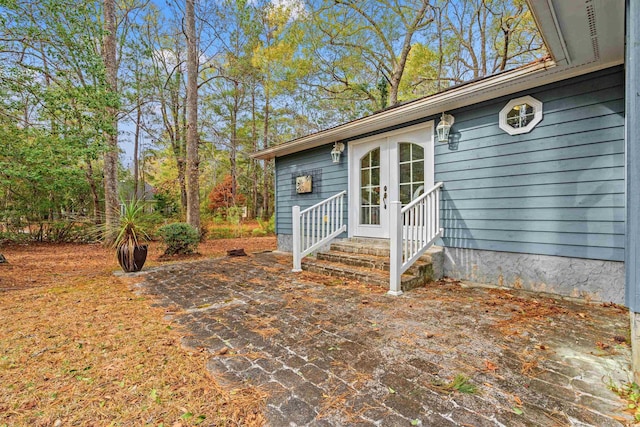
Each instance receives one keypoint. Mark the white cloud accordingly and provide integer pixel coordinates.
(296, 8)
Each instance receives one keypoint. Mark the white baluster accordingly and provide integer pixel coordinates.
(297, 251)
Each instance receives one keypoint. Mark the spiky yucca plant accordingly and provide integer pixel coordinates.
(130, 231)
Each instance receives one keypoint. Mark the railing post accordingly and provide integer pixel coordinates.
(395, 258)
(297, 258)
(437, 213)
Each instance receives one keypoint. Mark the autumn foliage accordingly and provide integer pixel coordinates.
(221, 197)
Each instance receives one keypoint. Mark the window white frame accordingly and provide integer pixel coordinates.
(537, 116)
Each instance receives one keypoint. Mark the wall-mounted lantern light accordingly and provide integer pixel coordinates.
(338, 148)
(443, 128)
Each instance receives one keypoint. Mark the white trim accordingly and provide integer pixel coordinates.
(388, 142)
(537, 115)
(392, 133)
(556, 24)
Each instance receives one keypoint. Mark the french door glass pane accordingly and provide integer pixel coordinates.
(405, 152)
(417, 152)
(418, 171)
(370, 188)
(405, 193)
(365, 177)
(411, 171)
(405, 173)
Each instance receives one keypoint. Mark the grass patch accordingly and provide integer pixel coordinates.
(629, 391)
(460, 383)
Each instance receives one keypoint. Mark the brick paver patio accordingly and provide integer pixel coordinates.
(335, 354)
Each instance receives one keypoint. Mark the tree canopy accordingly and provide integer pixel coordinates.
(192, 95)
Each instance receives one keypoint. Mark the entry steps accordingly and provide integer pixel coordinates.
(367, 260)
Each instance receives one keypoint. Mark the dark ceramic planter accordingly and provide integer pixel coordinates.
(139, 257)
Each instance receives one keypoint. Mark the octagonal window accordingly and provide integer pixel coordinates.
(520, 115)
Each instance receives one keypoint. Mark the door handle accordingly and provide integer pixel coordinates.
(384, 197)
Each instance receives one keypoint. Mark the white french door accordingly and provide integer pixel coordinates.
(395, 166)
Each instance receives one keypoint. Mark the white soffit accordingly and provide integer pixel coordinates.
(581, 31)
(546, 20)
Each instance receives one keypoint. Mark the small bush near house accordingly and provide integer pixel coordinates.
(266, 227)
(180, 238)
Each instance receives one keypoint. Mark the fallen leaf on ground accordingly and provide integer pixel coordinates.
(490, 366)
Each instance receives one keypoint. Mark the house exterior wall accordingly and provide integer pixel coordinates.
(543, 210)
(552, 199)
(328, 179)
(558, 190)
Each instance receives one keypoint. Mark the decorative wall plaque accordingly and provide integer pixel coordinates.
(303, 184)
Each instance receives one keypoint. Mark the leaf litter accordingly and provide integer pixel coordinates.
(77, 346)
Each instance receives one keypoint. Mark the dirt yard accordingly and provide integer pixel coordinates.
(81, 346)
(78, 347)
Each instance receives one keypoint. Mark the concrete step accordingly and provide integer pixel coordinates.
(376, 247)
(361, 274)
(419, 268)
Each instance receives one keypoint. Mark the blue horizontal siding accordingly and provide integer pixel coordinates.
(540, 190)
(558, 190)
(600, 175)
(557, 226)
(529, 157)
(333, 180)
(531, 214)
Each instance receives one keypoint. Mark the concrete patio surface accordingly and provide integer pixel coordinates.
(330, 352)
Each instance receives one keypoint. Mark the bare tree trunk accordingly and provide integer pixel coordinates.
(111, 155)
(94, 191)
(482, 25)
(440, 52)
(254, 162)
(178, 147)
(193, 187)
(136, 150)
(233, 152)
(265, 176)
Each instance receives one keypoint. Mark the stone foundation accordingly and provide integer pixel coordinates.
(285, 242)
(594, 280)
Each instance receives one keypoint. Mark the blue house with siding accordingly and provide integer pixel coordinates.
(536, 185)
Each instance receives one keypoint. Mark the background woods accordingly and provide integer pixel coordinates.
(104, 100)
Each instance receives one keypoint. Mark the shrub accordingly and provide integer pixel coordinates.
(222, 199)
(180, 238)
(258, 232)
(269, 227)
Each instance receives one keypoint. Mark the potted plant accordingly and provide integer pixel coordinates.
(131, 240)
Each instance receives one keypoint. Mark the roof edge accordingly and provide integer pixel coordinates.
(523, 78)
(402, 111)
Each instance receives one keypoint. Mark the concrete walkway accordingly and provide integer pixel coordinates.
(330, 353)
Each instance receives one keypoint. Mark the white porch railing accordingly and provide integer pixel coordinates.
(316, 226)
(414, 229)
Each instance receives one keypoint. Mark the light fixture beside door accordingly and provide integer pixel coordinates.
(444, 127)
(338, 148)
